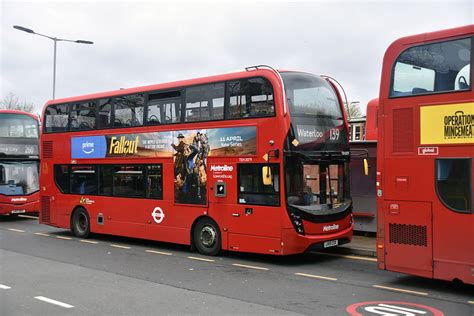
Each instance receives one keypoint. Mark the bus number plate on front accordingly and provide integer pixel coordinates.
(330, 243)
(18, 211)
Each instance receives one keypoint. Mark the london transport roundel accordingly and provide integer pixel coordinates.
(158, 215)
(386, 308)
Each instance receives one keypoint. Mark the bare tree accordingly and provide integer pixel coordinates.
(353, 109)
(13, 102)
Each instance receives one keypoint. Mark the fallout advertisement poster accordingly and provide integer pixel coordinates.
(189, 149)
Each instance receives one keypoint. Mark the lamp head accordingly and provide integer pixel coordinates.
(24, 29)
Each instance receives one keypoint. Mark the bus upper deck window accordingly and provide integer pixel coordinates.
(435, 67)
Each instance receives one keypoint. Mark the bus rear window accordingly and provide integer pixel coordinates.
(437, 67)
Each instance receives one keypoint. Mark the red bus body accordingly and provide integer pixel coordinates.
(424, 156)
(19, 162)
(243, 226)
(371, 121)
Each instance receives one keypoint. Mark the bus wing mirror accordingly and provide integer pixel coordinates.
(267, 175)
(366, 167)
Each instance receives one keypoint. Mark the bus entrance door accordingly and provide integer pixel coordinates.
(408, 244)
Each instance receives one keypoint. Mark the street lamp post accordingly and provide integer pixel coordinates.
(55, 40)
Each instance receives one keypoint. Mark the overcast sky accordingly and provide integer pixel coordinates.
(141, 43)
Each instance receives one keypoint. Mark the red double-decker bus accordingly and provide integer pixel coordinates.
(19, 162)
(253, 161)
(425, 155)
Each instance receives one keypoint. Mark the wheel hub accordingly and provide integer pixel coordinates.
(208, 236)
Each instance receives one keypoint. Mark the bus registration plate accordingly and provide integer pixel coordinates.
(330, 243)
(18, 211)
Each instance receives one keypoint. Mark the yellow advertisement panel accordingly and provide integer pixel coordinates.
(447, 124)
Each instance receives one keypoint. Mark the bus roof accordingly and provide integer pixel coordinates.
(3, 111)
(430, 36)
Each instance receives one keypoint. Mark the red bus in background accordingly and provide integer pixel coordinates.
(19, 163)
(253, 161)
(371, 121)
(425, 156)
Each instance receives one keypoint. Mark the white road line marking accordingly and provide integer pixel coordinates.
(348, 256)
(399, 290)
(28, 216)
(43, 234)
(4, 287)
(120, 246)
(316, 276)
(470, 302)
(202, 259)
(403, 309)
(62, 237)
(16, 230)
(89, 241)
(160, 252)
(249, 267)
(48, 300)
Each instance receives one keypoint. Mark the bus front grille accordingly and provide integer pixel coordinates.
(414, 235)
(45, 215)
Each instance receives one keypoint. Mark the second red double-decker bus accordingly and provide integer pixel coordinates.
(19, 163)
(425, 156)
(253, 161)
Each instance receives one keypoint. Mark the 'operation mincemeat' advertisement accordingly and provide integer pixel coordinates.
(447, 124)
(189, 149)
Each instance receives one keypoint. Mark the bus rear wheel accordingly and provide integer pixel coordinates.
(207, 237)
(80, 223)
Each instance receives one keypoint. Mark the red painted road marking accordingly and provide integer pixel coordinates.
(391, 308)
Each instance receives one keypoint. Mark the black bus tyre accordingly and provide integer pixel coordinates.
(207, 237)
(80, 223)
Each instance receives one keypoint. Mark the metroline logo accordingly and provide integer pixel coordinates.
(222, 168)
(19, 199)
(330, 227)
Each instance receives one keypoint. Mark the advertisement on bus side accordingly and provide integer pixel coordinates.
(189, 149)
(447, 124)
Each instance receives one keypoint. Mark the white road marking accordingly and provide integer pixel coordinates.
(28, 216)
(89, 241)
(4, 287)
(51, 301)
(62, 237)
(399, 290)
(316, 276)
(348, 256)
(160, 252)
(470, 302)
(16, 230)
(202, 259)
(402, 309)
(249, 267)
(120, 246)
(43, 234)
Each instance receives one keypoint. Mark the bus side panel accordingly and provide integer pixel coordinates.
(408, 237)
(453, 252)
(246, 243)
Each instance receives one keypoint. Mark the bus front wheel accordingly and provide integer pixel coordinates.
(207, 237)
(80, 223)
